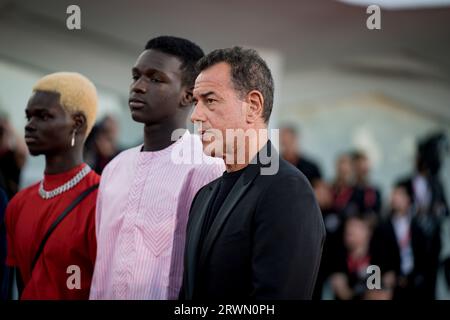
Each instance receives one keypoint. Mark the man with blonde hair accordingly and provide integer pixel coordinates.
(51, 224)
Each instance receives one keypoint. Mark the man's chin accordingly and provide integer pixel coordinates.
(209, 153)
(35, 152)
(206, 149)
(210, 149)
(138, 117)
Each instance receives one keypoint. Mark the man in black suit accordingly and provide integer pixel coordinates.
(256, 232)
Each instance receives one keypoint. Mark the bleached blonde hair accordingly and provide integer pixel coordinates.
(76, 94)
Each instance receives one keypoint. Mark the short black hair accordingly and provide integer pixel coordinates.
(187, 51)
(248, 72)
(358, 155)
(406, 185)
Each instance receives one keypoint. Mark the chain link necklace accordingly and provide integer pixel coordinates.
(65, 187)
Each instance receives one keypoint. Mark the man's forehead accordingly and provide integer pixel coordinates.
(203, 86)
(44, 99)
(215, 77)
(157, 60)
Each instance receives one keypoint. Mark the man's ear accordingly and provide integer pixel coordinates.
(187, 97)
(80, 123)
(255, 106)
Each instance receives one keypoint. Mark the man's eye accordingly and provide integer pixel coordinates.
(210, 101)
(156, 80)
(135, 77)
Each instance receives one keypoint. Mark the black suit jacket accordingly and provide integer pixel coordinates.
(265, 243)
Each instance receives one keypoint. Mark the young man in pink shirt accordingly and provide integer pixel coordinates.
(145, 194)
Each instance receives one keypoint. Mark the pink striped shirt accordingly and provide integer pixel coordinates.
(142, 210)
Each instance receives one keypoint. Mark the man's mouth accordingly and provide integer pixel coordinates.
(205, 135)
(30, 139)
(135, 103)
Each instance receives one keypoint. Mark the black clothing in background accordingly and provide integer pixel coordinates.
(9, 173)
(366, 199)
(309, 169)
(385, 251)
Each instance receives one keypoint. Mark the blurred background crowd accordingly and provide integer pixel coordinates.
(364, 114)
(405, 235)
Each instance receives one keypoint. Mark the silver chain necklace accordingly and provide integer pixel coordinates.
(66, 186)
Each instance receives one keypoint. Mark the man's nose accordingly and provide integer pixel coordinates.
(197, 115)
(140, 86)
(30, 127)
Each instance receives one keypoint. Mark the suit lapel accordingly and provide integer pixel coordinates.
(194, 232)
(236, 193)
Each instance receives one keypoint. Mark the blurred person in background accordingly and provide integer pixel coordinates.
(430, 204)
(348, 277)
(290, 151)
(334, 200)
(333, 224)
(399, 249)
(4, 270)
(366, 198)
(13, 153)
(343, 185)
(428, 191)
(50, 225)
(445, 258)
(102, 144)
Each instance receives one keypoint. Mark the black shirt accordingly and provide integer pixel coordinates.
(226, 183)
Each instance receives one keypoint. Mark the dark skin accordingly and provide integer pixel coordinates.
(158, 98)
(49, 132)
